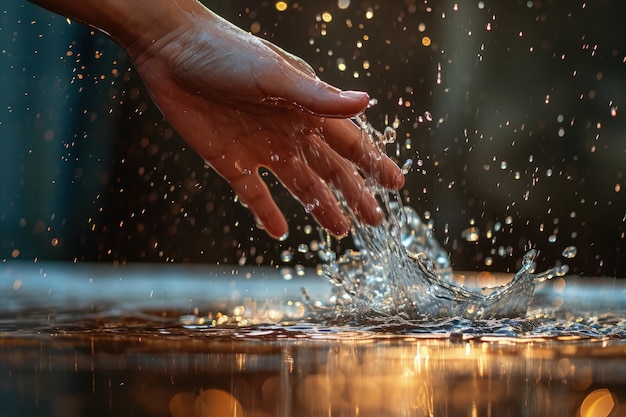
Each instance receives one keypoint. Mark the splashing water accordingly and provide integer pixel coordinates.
(400, 269)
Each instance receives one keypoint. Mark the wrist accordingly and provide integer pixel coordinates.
(145, 24)
(134, 24)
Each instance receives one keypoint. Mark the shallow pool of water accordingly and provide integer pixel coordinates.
(173, 340)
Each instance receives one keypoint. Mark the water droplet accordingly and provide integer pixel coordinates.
(286, 255)
(343, 4)
(287, 274)
(303, 248)
(406, 167)
(284, 237)
(274, 158)
(389, 135)
(327, 255)
(309, 207)
(471, 234)
(569, 252)
(246, 171)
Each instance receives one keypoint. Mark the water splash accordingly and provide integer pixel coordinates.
(400, 269)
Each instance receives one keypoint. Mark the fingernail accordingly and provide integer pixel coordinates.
(354, 95)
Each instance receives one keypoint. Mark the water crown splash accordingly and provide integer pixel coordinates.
(400, 269)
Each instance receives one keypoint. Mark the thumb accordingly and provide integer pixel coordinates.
(321, 98)
(300, 85)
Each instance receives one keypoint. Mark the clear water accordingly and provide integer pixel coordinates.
(192, 340)
(396, 322)
(398, 333)
(400, 270)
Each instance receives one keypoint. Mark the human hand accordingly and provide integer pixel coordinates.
(243, 103)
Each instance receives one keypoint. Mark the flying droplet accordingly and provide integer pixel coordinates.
(286, 255)
(406, 167)
(287, 274)
(569, 252)
(471, 234)
(389, 135)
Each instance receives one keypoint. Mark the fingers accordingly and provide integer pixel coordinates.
(342, 175)
(346, 139)
(320, 98)
(255, 194)
(314, 194)
(304, 184)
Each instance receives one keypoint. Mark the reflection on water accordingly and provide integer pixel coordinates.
(182, 341)
(279, 372)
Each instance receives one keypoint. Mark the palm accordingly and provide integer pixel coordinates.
(233, 98)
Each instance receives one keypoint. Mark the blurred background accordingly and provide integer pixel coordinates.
(511, 111)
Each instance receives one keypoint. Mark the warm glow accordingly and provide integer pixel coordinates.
(599, 403)
(341, 64)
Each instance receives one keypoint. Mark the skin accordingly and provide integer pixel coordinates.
(243, 103)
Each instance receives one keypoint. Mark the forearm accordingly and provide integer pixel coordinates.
(134, 24)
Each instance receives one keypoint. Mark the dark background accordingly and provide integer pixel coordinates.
(513, 115)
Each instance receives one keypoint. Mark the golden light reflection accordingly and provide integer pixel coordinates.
(281, 6)
(370, 377)
(341, 64)
(599, 403)
(210, 403)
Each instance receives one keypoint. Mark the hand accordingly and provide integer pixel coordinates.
(243, 103)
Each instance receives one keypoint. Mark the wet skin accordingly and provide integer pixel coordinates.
(242, 103)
